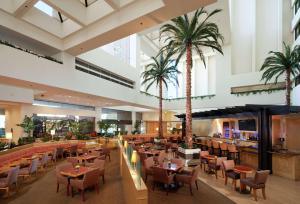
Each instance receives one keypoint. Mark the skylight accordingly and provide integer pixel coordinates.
(44, 8)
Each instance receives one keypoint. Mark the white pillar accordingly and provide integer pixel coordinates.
(98, 112)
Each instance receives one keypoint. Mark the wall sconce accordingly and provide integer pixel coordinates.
(134, 158)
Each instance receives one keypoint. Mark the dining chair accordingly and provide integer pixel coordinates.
(106, 152)
(161, 175)
(216, 165)
(60, 179)
(203, 161)
(257, 182)
(100, 165)
(161, 157)
(72, 160)
(30, 170)
(87, 181)
(229, 172)
(59, 152)
(189, 178)
(148, 164)
(42, 164)
(10, 179)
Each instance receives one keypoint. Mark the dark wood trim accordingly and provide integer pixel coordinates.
(60, 17)
(265, 140)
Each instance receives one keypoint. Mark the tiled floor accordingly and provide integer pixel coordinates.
(279, 190)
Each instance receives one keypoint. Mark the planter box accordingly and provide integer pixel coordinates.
(189, 153)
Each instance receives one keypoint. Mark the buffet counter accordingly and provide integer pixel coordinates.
(286, 164)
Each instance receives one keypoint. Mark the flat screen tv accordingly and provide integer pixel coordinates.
(248, 125)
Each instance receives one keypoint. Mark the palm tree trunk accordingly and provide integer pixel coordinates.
(188, 133)
(160, 125)
(288, 87)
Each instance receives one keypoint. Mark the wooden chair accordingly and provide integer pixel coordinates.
(62, 179)
(87, 181)
(216, 165)
(209, 146)
(216, 148)
(106, 152)
(189, 178)
(203, 161)
(72, 160)
(229, 172)
(12, 178)
(224, 149)
(161, 175)
(32, 169)
(100, 165)
(233, 153)
(148, 164)
(258, 182)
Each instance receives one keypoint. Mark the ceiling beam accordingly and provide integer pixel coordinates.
(24, 7)
(71, 9)
(86, 3)
(113, 4)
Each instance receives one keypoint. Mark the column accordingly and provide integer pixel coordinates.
(98, 112)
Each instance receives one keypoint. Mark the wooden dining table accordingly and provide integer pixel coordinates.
(171, 167)
(243, 170)
(75, 172)
(86, 157)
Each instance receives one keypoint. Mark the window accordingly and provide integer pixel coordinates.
(297, 5)
(297, 31)
(2, 125)
(45, 8)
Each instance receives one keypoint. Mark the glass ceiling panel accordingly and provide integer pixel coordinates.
(45, 8)
(89, 2)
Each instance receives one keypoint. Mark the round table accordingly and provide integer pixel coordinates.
(243, 170)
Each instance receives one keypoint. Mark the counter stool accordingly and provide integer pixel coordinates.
(224, 149)
(233, 153)
(204, 145)
(209, 146)
(216, 148)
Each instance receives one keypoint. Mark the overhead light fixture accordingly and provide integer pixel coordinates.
(50, 115)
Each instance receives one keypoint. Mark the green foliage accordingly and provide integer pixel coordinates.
(161, 70)
(180, 98)
(104, 126)
(196, 32)
(278, 63)
(268, 91)
(137, 128)
(27, 125)
(86, 126)
(26, 140)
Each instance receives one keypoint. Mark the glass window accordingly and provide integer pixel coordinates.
(297, 5)
(297, 31)
(2, 125)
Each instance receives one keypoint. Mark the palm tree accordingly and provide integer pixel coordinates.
(279, 63)
(186, 35)
(161, 72)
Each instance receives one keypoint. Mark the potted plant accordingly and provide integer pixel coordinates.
(27, 125)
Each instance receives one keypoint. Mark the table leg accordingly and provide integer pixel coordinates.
(242, 186)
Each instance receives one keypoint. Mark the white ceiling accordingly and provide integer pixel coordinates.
(84, 28)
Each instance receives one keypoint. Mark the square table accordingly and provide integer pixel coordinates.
(74, 173)
(86, 157)
(172, 167)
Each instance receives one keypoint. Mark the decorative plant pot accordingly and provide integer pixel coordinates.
(189, 153)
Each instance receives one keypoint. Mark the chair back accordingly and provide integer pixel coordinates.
(12, 176)
(149, 162)
(59, 151)
(73, 149)
(178, 162)
(99, 163)
(203, 153)
(224, 146)
(220, 160)
(162, 155)
(105, 150)
(209, 143)
(232, 148)
(33, 166)
(62, 167)
(215, 144)
(72, 160)
(195, 173)
(44, 159)
(160, 175)
(261, 176)
(91, 177)
(228, 165)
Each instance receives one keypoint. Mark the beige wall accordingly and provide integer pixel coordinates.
(153, 116)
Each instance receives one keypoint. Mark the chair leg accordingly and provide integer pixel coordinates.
(264, 193)
(216, 173)
(57, 188)
(146, 178)
(82, 195)
(222, 173)
(72, 193)
(254, 194)
(226, 178)
(196, 184)
(103, 180)
(234, 182)
(191, 191)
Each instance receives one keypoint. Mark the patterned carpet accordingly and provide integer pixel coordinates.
(42, 190)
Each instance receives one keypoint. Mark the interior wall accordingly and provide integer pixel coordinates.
(201, 127)
(292, 133)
